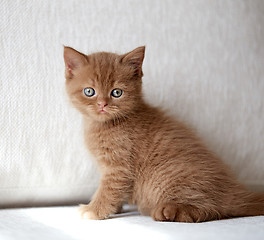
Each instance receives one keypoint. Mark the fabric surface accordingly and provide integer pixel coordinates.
(63, 223)
(204, 63)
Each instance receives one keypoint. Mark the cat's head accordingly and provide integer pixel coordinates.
(104, 86)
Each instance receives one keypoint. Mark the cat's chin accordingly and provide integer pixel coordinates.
(101, 116)
(104, 117)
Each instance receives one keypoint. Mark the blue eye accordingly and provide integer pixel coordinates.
(117, 93)
(89, 92)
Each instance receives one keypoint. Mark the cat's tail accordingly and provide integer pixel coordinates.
(248, 204)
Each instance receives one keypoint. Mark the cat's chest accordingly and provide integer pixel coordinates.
(108, 144)
(101, 141)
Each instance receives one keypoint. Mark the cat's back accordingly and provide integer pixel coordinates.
(165, 144)
(158, 127)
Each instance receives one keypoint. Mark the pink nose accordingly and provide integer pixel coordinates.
(102, 104)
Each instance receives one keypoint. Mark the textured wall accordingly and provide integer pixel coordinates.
(204, 63)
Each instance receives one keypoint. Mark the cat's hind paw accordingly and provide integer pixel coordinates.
(172, 212)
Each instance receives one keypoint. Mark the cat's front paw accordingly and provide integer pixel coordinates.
(87, 212)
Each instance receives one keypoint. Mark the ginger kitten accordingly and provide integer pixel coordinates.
(146, 157)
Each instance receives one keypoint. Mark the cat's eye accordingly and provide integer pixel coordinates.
(117, 93)
(89, 92)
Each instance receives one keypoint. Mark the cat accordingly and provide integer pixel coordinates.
(146, 157)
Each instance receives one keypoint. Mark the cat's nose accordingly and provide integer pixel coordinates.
(102, 104)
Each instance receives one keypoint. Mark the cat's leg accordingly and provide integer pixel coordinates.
(119, 209)
(108, 198)
(174, 212)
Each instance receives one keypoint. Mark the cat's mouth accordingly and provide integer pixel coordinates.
(102, 115)
(102, 111)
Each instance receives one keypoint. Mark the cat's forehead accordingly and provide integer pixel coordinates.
(103, 67)
(103, 61)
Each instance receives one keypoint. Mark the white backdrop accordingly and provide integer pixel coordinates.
(204, 63)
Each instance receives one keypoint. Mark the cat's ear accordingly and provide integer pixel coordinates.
(73, 61)
(134, 58)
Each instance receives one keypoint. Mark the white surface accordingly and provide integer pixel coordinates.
(63, 223)
(204, 62)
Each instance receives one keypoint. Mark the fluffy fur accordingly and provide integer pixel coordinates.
(146, 157)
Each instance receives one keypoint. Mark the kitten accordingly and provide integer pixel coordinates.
(144, 156)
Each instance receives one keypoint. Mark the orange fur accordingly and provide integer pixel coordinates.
(146, 157)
